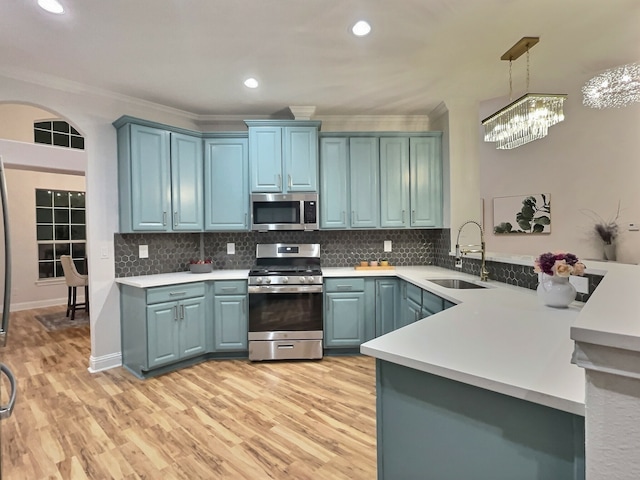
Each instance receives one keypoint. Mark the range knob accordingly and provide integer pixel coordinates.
(268, 280)
(301, 279)
(259, 280)
(285, 279)
(310, 279)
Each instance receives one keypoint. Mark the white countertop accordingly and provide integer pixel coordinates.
(163, 279)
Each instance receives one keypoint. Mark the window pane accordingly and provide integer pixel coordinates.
(77, 216)
(62, 232)
(77, 142)
(44, 215)
(43, 125)
(45, 269)
(60, 199)
(45, 252)
(45, 232)
(79, 250)
(59, 270)
(77, 199)
(80, 266)
(62, 215)
(61, 127)
(43, 198)
(62, 249)
(73, 130)
(40, 136)
(61, 139)
(78, 232)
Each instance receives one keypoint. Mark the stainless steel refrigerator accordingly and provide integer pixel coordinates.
(5, 410)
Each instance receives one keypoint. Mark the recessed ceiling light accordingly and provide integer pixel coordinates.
(361, 28)
(52, 6)
(251, 83)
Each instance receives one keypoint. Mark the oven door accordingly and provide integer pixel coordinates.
(285, 312)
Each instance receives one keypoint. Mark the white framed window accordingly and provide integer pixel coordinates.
(60, 230)
(58, 133)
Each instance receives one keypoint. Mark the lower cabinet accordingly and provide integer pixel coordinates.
(230, 315)
(344, 312)
(163, 325)
(387, 304)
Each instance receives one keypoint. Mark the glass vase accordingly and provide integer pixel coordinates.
(555, 291)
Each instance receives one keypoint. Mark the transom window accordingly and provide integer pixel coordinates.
(58, 133)
(61, 230)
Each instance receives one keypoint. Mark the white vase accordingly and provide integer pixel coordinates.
(610, 252)
(555, 291)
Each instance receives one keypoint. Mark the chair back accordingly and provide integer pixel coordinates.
(71, 275)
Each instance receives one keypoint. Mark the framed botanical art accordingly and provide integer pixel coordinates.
(524, 214)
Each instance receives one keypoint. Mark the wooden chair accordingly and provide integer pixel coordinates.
(74, 280)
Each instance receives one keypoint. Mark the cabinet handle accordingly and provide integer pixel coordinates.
(344, 287)
(229, 289)
(289, 181)
(344, 217)
(164, 219)
(244, 306)
(403, 217)
(175, 219)
(177, 293)
(175, 313)
(245, 219)
(181, 312)
(413, 215)
(353, 215)
(279, 181)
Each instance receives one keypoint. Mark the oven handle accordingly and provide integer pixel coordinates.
(285, 289)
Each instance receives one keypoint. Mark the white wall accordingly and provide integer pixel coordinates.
(27, 291)
(16, 121)
(589, 161)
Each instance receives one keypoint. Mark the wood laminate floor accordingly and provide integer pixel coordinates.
(229, 419)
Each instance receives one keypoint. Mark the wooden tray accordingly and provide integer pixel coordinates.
(379, 267)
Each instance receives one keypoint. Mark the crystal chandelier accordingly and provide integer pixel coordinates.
(617, 87)
(529, 117)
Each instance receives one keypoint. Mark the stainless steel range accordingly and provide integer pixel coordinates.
(285, 303)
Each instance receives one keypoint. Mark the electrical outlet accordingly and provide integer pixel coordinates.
(231, 248)
(633, 227)
(581, 283)
(143, 251)
(387, 246)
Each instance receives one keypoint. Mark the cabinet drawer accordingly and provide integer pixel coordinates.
(175, 292)
(431, 302)
(230, 287)
(344, 284)
(414, 293)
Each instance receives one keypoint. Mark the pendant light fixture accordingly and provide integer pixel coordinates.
(614, 88)
(529, 117)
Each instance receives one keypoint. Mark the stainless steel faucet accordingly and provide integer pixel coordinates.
(484, 274)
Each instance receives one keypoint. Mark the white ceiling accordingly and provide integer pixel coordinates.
(193, 55)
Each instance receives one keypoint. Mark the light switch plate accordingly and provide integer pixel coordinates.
(581, 283)
(387, 246)
(231, 248)
(143, 251)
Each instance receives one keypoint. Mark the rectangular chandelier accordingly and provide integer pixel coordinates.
(525, 120)
(529, 117)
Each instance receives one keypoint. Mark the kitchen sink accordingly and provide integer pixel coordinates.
(454, 283)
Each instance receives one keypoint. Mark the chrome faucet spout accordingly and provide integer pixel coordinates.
(484, 274)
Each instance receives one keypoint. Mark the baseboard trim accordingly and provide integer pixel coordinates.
(105, 362)
(51, 302)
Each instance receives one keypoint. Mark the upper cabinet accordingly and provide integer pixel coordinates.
(363, 182)
(283, 155)
(226, 184)
(160, 179)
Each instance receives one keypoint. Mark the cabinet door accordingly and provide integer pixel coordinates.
(364, 194)
(163, 334)
(344, 319)
(265, 159)
(192, 327)
(426, 182)
(334, 178)
(230, 322)
(394, 182)
(411, 313)
(186, 183)
(150, 177)
(300, 157)
(226, 184)
(387, 305)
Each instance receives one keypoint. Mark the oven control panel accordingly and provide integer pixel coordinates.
(286, 280)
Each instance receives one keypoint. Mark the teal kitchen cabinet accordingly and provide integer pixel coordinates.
(230, 319)
(162, 325)
(226, 184)
(159, 179)
(334, 183)
(283, 156)
(364, 182)
(410, 182)
(344, 312)
(387, 302)
(411, 306)
(431, 304)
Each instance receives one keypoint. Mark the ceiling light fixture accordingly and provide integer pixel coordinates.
(251, 83)
(614, 88)
(528, 118)
(361, 28)
(52, 6)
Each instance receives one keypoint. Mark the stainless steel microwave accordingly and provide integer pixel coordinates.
(284, 211)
